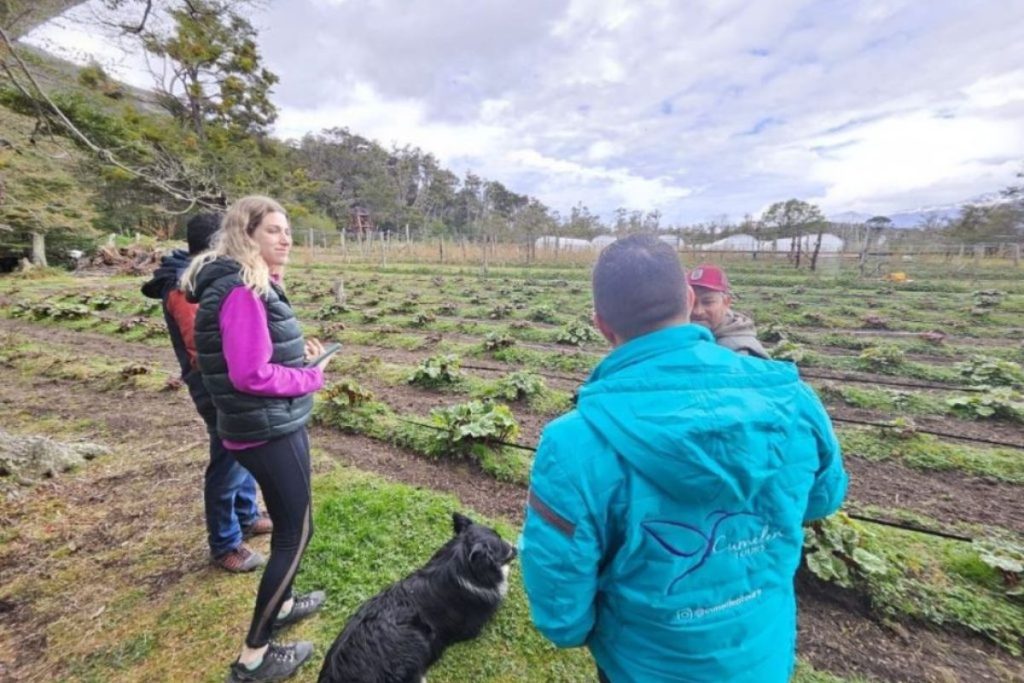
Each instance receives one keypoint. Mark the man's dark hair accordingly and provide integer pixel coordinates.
(201, 229)
(638, 285)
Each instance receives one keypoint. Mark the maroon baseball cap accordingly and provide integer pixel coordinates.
(708, 276)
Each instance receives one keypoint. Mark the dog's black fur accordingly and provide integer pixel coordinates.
(399, 633)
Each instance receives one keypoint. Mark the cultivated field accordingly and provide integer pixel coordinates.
(447, 375)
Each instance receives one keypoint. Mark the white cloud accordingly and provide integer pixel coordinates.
(996, 91)
(391, 121)
(629, 189)
(891, 105)
(899, 155)
(590, 15)
(602, 149)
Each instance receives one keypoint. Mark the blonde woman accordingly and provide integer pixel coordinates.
(252, 356)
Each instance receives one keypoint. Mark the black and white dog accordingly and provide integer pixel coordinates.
(399, 633)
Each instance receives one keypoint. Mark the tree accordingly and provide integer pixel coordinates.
(795, 219)
(532, 221)
(113, 147)
(993, 223)
(1015, 195)
(42, 203)
(582, 223)
(215, 74)
(469, 205)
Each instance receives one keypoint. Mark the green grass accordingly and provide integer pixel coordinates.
(61, 362)
(805, 673)
(943, 582)
(926, 452)
(369, 534)
(888, 400)
(914, 518)
(377, 420)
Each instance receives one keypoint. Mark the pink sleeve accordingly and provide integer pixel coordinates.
(247, 351)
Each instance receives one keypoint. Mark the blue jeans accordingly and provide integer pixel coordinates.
(229, 491)
(229, 494)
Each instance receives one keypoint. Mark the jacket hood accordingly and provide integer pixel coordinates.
(737, 332)
(649, 400)
(735, 324)
(210, 272)
(167, 274)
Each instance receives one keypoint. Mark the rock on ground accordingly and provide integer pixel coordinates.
(24, 459)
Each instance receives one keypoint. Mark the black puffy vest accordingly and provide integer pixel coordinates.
(240, 416)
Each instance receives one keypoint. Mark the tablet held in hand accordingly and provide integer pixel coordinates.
(329, 351)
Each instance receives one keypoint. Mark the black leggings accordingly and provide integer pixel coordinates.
(281, 467)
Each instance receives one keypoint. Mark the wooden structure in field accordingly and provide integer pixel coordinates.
(360, 224)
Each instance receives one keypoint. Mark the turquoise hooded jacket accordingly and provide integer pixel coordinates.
(664, 521)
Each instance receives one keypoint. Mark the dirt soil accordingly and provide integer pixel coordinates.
(159, 439)
(947, 497)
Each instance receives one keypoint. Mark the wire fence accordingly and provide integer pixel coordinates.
(383, 247)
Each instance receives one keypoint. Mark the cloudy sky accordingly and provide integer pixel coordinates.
(697, 109)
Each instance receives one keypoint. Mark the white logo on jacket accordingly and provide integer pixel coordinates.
(745, 547)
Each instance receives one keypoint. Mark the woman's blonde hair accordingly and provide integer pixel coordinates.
(234, 240)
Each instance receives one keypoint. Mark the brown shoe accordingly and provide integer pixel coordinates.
(241, 559)
(261, 526)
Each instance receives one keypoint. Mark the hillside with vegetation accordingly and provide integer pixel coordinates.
(86, 154)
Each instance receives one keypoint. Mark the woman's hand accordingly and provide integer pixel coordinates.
(313, 349)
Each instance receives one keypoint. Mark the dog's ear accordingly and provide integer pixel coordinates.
(460, 522)
(480, 558)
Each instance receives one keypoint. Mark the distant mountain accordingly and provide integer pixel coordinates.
(913, 218)
(850, 217)
(917, 217)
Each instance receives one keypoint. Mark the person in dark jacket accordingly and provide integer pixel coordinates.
(664, 521)
(712, 308)
(229, 490)
(253, 359)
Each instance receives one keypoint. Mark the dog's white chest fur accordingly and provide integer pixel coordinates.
(503, 586)
(487, 593)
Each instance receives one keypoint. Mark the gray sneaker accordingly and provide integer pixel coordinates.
(280, 661)
(241, 559)
(303, 606)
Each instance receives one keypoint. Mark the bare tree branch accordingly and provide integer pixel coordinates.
(202, 191)
(142, 23)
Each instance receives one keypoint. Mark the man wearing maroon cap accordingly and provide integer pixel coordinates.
(712, 310)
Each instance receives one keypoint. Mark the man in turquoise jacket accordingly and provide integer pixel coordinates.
(665, 517)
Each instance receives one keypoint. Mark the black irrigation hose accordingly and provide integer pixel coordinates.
(803, 374)
(494, 441)
(887, 382)
(851, 515)
(848, 420)
(567, 378)
(975, 439)
(909, 527)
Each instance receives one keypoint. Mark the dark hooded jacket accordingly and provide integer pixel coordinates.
(242, 416)
(165, 280)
